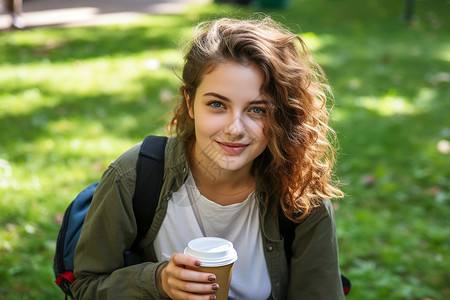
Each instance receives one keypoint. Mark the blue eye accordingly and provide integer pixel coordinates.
(258, 110)
(215, 104)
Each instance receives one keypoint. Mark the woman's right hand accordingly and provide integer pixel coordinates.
(180, 283)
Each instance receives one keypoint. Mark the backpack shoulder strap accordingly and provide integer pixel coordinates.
(149, 180)
(287, 231)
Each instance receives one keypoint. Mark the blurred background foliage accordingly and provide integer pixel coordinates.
(73, 99)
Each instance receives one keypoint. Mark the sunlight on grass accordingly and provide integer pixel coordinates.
(390, 104)
(6, 178)
(444, 52)
(393, 104)
(47, 86)
(316, 43)
(313, 41)
(24, 102)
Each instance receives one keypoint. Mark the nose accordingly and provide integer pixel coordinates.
(236, 128)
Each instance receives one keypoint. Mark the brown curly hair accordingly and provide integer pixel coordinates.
(296, 167)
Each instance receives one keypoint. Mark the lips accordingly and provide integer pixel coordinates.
(233, 148)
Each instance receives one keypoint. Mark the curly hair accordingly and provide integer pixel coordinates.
(296, 167)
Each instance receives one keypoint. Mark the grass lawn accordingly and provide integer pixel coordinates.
(73, 99)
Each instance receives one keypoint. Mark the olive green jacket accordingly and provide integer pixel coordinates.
(110, 228)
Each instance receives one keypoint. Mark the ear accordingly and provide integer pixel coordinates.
(189, 104)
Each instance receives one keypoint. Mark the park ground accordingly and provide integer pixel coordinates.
(72, 98)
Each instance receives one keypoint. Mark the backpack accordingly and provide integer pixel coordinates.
(149, 168)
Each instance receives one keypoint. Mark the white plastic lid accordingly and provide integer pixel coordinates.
(212, 251)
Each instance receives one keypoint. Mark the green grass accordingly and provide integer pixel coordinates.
(72, 99)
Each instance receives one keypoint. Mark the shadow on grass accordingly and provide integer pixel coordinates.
(148, 112)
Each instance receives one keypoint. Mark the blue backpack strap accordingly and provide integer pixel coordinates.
(149, 180)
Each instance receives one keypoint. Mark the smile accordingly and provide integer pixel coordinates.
(233, 148)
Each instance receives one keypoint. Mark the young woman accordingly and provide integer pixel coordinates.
(251, 143)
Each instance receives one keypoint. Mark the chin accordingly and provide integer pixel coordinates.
(231, 164)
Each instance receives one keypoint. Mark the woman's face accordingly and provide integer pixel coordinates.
(229, 115)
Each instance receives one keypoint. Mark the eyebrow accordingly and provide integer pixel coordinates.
(228, 100)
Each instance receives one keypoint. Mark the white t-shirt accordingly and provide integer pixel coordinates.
(190, 215)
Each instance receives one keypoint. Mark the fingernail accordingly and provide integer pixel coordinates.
(212, 278)
(198, 264)
(212, 297)
(215, 287)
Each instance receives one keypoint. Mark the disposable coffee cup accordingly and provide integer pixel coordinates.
(217, 256)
